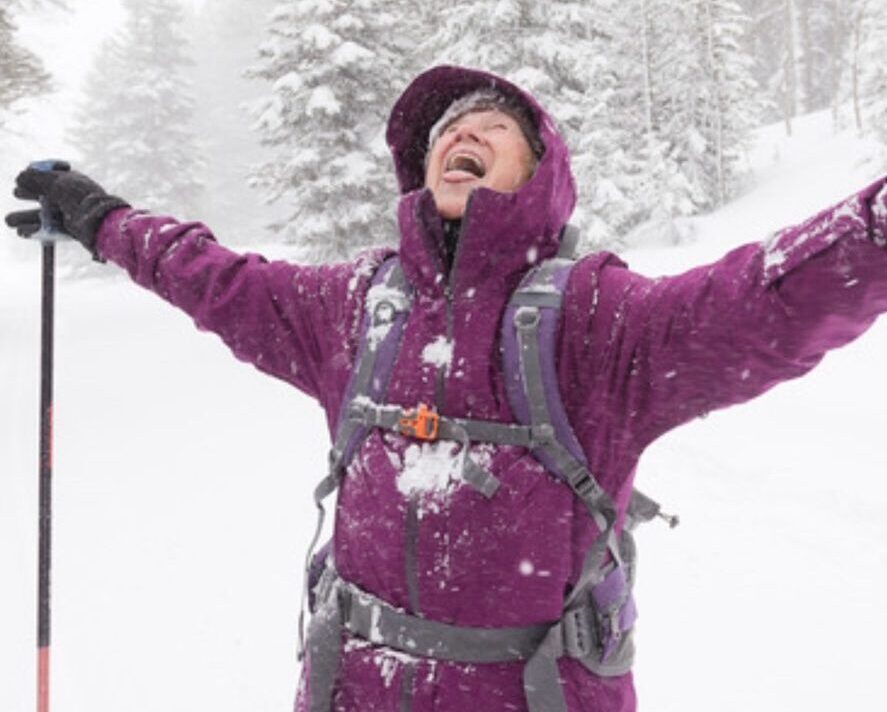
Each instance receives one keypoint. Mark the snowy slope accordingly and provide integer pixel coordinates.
(183, 483)
(769, 595)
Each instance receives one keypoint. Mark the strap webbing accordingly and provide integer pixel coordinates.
(344, 606)
(375, 620)
(385, 315)
(599, 611)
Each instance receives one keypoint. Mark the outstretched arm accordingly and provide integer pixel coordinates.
(296, 322)
(659, 352)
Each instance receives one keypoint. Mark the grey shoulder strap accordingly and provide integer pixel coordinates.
(387, 304)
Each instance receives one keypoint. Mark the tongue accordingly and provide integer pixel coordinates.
(458, 173)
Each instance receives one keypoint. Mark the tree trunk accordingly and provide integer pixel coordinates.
(718, 107)
(789, 67)
(645, 50)
(854, 67)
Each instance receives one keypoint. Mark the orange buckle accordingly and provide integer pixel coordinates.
(422, 423)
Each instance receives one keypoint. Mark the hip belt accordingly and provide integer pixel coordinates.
(597, 634)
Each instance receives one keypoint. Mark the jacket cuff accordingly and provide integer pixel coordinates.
(861, 216)
(107, 227)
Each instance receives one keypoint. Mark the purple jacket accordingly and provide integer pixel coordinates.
(636, 357)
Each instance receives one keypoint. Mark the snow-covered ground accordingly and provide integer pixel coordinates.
(183, 501)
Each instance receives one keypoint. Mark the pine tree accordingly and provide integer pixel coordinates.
(21, 72)
(132, 129)
(725, 110)
(334, 68)
(685, 85)
(561, 53)
(773, 41)
(871, 91)
(641, 183)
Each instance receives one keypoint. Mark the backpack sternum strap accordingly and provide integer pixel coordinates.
(389, 417)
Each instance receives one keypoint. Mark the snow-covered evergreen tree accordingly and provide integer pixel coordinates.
(643, 183)
(871, 67)
(133, 127)
(654, 98)
(725, 109)
(773, 43)
(562, 52)
(686, 89)
(335, 68)
(824, 31)
(21, 72)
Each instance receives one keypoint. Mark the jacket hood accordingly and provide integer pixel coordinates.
(528, 220)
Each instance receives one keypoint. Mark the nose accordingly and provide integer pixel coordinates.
(465, 132)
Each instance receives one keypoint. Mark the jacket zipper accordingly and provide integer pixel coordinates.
(449, 295)
(411, 535)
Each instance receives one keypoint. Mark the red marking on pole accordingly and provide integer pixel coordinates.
(43, 679)
(50, 418)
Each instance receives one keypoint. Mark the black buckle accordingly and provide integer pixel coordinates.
(586, 487)
(345, 598)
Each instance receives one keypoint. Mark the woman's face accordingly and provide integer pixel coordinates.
(482, 148)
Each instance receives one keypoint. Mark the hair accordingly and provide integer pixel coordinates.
(485, 100)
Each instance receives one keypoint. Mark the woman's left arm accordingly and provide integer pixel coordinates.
(659, 352)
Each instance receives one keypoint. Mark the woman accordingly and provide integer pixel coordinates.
(486, 192)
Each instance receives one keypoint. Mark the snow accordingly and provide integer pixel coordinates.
(323, 99)
(383, 302)
(428, 468)
(439, 353)
(183, 484)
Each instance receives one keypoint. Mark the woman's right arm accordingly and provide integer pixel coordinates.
(296, 322)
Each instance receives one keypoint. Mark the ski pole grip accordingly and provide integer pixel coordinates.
(50, 229)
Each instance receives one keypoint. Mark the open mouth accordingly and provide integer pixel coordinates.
(466, 163)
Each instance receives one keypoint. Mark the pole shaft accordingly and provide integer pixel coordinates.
(45, 473)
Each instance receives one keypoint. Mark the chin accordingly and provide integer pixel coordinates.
(451, 209)
(452, 213)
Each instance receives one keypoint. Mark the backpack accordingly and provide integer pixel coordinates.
(599, 612)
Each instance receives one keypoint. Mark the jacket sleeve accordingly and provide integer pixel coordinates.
(295, 322)
(655, 353)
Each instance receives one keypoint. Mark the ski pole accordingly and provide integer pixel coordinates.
(48, 235)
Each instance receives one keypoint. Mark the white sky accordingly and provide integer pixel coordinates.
(71, 38)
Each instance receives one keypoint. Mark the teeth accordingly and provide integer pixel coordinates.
(466, 162)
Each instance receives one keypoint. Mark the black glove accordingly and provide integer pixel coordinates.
(76, 203)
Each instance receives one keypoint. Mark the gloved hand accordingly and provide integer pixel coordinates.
(77, 203)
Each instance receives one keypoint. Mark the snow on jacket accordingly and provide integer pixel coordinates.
(636, 357)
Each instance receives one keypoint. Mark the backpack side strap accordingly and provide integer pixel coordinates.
(387, 305)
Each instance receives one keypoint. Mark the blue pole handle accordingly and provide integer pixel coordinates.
(50, 229)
